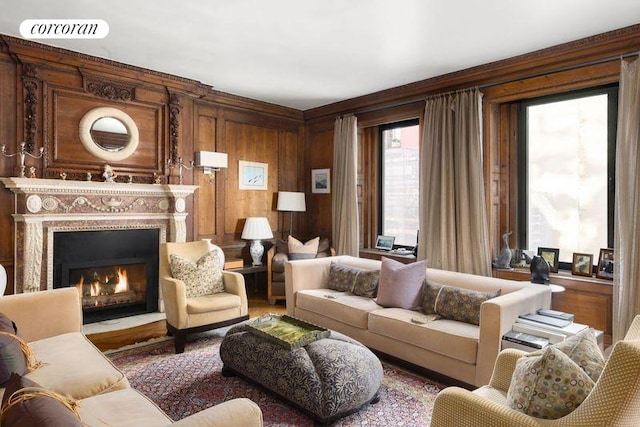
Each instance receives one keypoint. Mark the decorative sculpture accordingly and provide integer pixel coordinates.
(504, 258)
(109, 174)
(540, 270)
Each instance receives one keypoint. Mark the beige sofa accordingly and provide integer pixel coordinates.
(51, 322)
(462, 351)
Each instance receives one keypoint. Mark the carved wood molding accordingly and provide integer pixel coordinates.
(109, 89)
(174, 123)
(30, 84)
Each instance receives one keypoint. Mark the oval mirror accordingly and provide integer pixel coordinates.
(108, 133)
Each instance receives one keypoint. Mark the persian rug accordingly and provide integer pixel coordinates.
(183, 384)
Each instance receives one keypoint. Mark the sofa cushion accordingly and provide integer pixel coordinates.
(133, 409)
(37, 410)
(548, 385)
(12, 358)
(299, 250)
(366, 284)
(215, 302)
(461, 304)
(342, 278)
(341, 306)
(74, 367)
(203, 277)
(400, 284)
(447, 337)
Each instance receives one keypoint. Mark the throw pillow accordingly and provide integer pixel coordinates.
(462, 304)
(12, 358)
(342, 278)
(400, 285)
(430, 295)
(203, 277)
(583, 349)
(367, 283)
(299, 250)
(38, 407)
(548, 385)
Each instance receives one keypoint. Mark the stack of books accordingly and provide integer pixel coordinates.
(551, 324)
(523, 341)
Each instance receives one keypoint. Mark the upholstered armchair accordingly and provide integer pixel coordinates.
(614, 400)
(280, 253)
(198, 294)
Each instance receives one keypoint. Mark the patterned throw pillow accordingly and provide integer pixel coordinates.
(203, 277)
(366, 284)
(462, 304)
(12, 358)
(583, 349)
(342, 278)
(299, 250)
(548, 385)
(431, 291)
(400, 284)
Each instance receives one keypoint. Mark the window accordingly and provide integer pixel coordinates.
(566, 172)
(399, 176)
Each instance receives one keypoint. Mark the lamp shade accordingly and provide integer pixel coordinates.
(256, 228)
(291, 201)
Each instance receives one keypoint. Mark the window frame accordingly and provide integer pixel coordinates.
(523, 162)
(381, 130)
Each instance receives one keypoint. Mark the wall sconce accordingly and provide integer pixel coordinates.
(210, 161)
(290, 201)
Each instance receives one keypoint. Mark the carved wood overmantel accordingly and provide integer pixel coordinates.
(45, 206)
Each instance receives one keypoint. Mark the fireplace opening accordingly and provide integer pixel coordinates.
(115, 271)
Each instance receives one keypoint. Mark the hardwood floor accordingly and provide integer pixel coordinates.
(116, 339)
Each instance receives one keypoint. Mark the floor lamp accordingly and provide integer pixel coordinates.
(290, 201)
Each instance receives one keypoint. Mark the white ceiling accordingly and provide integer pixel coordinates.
(305, 54)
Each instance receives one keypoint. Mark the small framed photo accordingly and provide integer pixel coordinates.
(550, 255)
(252, 175)
(385, 242)
(605, 264)
(582, 264)
(320, 181)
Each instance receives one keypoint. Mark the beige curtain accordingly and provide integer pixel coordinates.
(626, 284)
(453, 221)
(344, 206)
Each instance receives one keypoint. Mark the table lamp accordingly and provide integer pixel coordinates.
(256, 229)
(290, 201)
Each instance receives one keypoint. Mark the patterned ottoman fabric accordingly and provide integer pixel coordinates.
(328, 378)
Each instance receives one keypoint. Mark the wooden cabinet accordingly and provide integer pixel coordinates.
(588, 298)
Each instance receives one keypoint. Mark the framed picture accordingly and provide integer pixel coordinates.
(582, 264)
(385, 242)
(252, 175)
(320, 181)
(605, 264)
(550, 255)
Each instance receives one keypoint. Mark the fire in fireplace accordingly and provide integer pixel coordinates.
(115, 271)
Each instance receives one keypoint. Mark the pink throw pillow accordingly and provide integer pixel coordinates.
(400, 284)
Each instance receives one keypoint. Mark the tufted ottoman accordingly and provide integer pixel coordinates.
(328, 378)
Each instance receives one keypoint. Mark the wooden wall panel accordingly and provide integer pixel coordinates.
(205, 199)
(320, 156)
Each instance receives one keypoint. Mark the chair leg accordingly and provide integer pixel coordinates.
(180, 340)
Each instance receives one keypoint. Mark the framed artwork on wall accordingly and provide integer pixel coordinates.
(320, 181)
(252, 175)
(605, 264)
(550, 255)
(582, 264)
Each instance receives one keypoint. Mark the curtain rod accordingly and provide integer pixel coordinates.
(487, 85)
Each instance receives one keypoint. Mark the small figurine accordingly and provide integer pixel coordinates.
(63, 175)
(157, 179)
(130, 179)
(89, 176)
(109, 174)
(32, 172)
(504, 258)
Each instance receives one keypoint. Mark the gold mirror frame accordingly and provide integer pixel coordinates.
(87, 141)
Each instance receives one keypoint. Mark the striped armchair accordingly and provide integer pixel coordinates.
(614, 401)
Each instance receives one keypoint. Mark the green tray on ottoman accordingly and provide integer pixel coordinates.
(287, 331)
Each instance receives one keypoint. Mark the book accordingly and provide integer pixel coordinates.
(571, 329)
(553, 337)
(553, 321)
(555, 313)
(233, 263)
(532, 341)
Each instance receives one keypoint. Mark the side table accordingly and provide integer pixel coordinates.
(251, 269)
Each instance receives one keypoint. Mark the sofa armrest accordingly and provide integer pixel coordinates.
(235, 412)
(497, 316)
(457, 407)
(234, 284)
(174, 296)
(44, 314)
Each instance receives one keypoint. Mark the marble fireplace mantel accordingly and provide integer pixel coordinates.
(45, 206)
